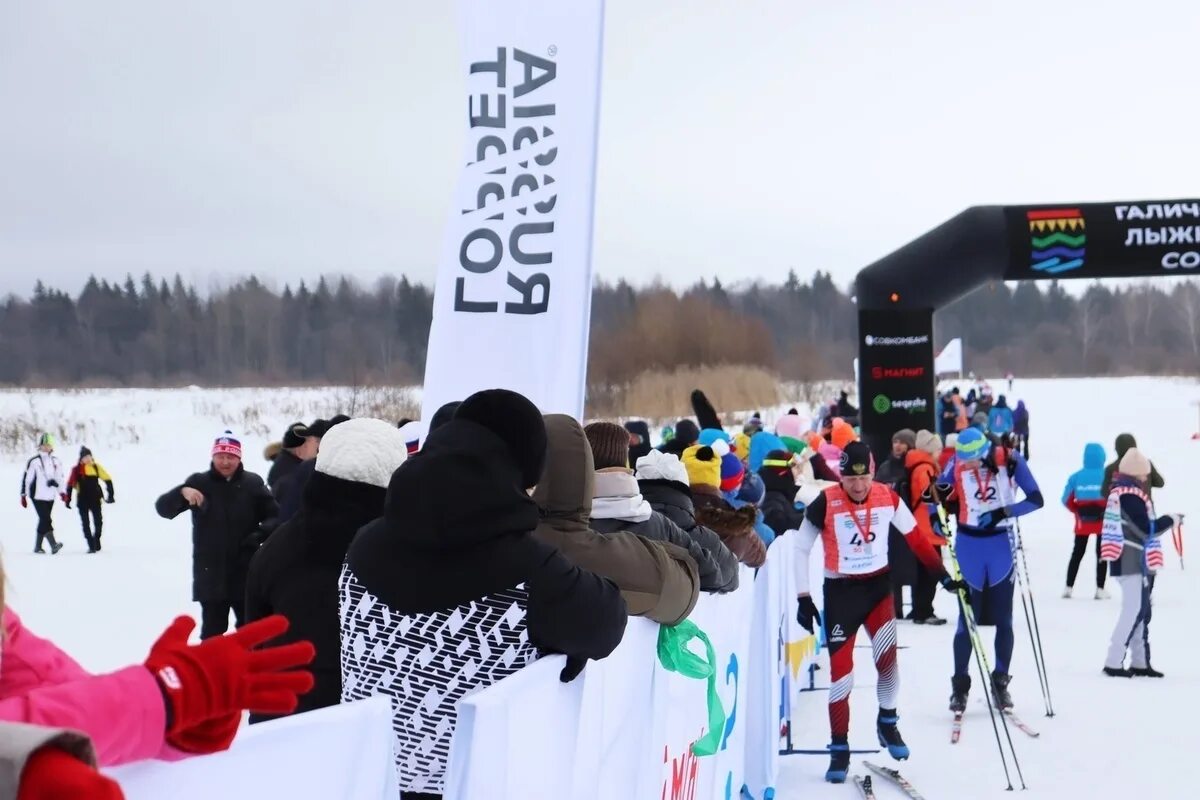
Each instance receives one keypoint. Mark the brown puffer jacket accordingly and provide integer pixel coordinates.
(658, 580)
(735, 526)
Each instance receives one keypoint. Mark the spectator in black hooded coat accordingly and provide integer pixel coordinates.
(779, 504)
(295, 572)
(453, 565)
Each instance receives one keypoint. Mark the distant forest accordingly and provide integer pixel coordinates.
(148, 333)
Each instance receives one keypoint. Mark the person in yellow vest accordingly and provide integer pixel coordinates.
(86, 478)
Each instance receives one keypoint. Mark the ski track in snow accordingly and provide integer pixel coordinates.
(1111, 738)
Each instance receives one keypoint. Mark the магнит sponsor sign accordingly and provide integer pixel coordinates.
(886, 373)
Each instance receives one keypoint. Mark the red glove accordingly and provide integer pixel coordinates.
(208, 685)
(53, 774)
(66, 498)
(24, 501)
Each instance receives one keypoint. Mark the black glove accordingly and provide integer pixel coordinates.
(53, 484)
(952, 585)
(990, 519)
(806, 612)
(110, 499)
(570, 672)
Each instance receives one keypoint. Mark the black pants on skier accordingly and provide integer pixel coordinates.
(91, 517)
(1077, 554)
(45, 528)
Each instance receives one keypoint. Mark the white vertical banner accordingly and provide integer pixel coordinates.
(950, 360)
(512, 303)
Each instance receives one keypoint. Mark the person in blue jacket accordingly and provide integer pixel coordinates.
(1084, 497)
(1000, 418)
(985, 478)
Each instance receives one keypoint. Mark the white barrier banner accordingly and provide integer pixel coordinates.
(342, 751)
(511, 307)
(699, 712)
(694, 712)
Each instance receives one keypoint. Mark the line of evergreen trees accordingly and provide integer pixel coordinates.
(337, 332)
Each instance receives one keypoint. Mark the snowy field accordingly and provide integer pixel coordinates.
(1111, 738)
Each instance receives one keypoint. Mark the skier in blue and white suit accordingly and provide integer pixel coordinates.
(985, 478)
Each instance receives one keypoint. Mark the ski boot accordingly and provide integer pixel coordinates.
(889, 734)
(1067, 592)
(1118, 672)
(839, 761)
(54, 548)
(960, 687)
(1000, 690)
(1145, 672)
(1102, 594)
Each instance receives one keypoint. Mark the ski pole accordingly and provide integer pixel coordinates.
(1035, 631)
(981, 662)
(1177, 540)
(1022, 581)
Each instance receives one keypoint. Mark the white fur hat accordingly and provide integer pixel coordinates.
(657, 466)
(363, 451)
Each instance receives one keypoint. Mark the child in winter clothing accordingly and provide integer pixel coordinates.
(1083, 497)
(1131, 543)
(185, 699)
(86, 477)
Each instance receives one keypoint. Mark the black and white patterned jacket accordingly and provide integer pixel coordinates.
(449, 593)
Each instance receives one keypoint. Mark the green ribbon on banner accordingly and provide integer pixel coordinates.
(674, 655)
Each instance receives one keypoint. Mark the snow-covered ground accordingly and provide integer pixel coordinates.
(1111, 738)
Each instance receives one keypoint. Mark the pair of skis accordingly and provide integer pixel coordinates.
(866, 785)
(1021, 725)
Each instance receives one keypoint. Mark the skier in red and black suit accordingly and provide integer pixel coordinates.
(853, 521)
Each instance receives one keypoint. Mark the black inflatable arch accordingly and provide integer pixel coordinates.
(898, 294)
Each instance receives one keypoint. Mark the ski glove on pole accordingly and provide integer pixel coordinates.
(952, 585)
(208, 685)
(806, 612)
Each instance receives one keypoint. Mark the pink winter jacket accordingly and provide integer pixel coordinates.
(122, 711)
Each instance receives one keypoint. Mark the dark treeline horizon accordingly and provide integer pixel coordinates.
(160, 332)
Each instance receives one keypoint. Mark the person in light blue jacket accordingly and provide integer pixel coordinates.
(1000, 418)
(1084, 497)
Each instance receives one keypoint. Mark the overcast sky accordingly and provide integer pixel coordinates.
(738, 138)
